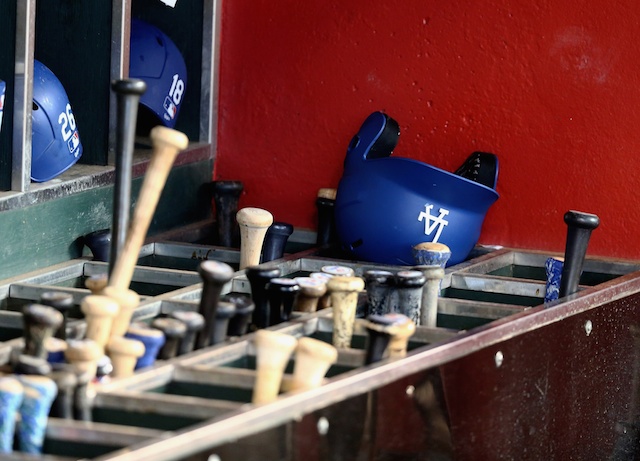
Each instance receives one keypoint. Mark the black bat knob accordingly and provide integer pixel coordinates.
(275, 241)
(325, 205)
(281, 294)
(62, 302)
(174, 332)
(579, 228)
(258, 278)
(40, 322)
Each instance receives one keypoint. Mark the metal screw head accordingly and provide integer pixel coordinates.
(323, 426)
(499, 358)
(588, 327)
(410, 390)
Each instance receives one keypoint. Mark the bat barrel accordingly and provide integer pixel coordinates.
(215, 275)
(344, 299)
(258, 278)
(275, 241)
(128, 92)
(226, 195)
(253, 223)
(579, 228)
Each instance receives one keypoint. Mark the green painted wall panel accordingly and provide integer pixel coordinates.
(49, 233)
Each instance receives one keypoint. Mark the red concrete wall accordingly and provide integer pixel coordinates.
(551, 86)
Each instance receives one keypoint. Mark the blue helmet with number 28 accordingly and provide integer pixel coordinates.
(156, 60)
(55, 143)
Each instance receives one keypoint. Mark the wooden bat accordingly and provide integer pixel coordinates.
(40, 322)
(378, 284)
(166, 145)
(84, 355)
(311, 290)
(281, 292)
(312, 361)
(388, 336)
(127, 300)
(124, 354)
(325, 205)
(11, 394)
(258, 278)
(401, 330)
(344, 299)
(194, 322)
(430, 294)
(325, 300)
(408, 293)
(254, 223)
(273, 350)
(62, 302)
(224, 313)
(99, 312)
(152, 340)
(579, 228)
(338, 271)
(431, 254)
(239, 323)
(226, 195)
(96, 283)
(275, 241)
(214, 274)
(39, 392)
(174, 331)
(66, 382)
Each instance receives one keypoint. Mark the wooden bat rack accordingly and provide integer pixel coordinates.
(499, 367)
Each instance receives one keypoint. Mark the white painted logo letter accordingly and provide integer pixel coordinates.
(433, 222)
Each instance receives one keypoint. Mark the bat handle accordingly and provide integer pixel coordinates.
(325, 205)
(30, 365)
(166, 145)
(579, 228)
(39, 392)
(174, 331)
(215, 275)
(313, 360)
(84, 355)
(344, 300)
(378, 284)
(40, 322)
(408, 293)
(11, 395)
(281, 293)
(245, 307)
(128, 92)
(151, 338)
(62, 302)
(224, 312)
(401, 330)
(430, 293)
(194, 322)
(377, 327)
(258, 278)
(275, 241)
(273, 351)
(311, 290)
(124, 354)
(431, 254)
(66, 382)
(99, 312)
(226, 195)
(96, 283)
(254, 223)
(127, 301)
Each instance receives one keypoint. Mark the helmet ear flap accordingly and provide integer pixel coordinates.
(55, 142)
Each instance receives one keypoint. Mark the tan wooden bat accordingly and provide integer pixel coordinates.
(166, 145)
(313, 360)
(99, 312)
(124, 353)
(344, 300)
(254, 223)
(273, 350)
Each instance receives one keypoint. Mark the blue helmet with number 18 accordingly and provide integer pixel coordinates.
(55, 144)
(156, 60)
